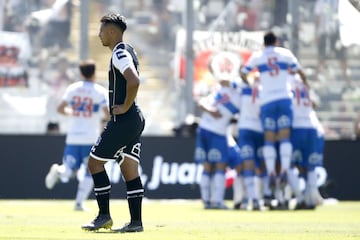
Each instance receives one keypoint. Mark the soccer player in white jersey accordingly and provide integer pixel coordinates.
(274, 64)
(85, 103)
(304, 137)
(250, 142)
(211, 148)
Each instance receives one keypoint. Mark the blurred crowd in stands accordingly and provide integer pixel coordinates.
(49, 24)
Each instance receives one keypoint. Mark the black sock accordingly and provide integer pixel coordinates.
(135, 193)
(102, 189)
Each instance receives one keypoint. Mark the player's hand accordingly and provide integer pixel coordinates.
(118, 109)
(216, 114)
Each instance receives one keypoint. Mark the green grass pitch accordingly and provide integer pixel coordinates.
(177, 219)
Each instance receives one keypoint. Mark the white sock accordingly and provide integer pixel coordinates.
(249, 183)
(219, 187)
(269, 156)
(285, 154)
(65, 173)
(294, 182)
(311, 191)
(265, 186)
(85, 187)
(238, 189)
(205, 186)
(258, 186)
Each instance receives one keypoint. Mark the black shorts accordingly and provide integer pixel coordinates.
(120, 138)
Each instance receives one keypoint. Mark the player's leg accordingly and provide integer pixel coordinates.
(285, 149)
(238, 184)
(269, 150)
(267, 114)
(238, 188)
(294, 183)
(85, 187)
(270, 153)
(64, 171)
(86, 183)
(234, 163)
(200, 157)
(53, 176)
(284, 123)
(102, 188)
(105, 149)
(205, 184)
(258, 178)
(249, 183)
(265, 189)
(135, 192)
(218, 155)
(296, 159)
(219, 187)
(313, 160)
(248, 155)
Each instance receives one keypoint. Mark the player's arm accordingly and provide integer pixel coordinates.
(64, 109)
(247, 68)
(132, 86)
(295, 67)
(205, 107)
(244, 77)
(106, 112)
(303, 77)
(123, 61)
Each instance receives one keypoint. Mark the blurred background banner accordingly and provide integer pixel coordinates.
(15, 52)
(233, 47)
(168, 170)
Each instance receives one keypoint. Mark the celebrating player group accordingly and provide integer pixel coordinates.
(278, 142)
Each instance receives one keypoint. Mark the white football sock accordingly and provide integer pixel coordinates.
(249, 183)
(85, 187)
(219, 187)
(269, 156)
(205, 185)
(238, 189)
(311, 191)
(258, 186)
(265, 186)
(285, 155)
(65, 173)
(294, 182)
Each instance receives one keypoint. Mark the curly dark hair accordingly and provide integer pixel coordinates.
(116, 19)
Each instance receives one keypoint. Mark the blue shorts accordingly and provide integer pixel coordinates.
(251, 146)
(306, 148)
(210, 147)
(276, 115)
(75, 155)
(234, 156)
